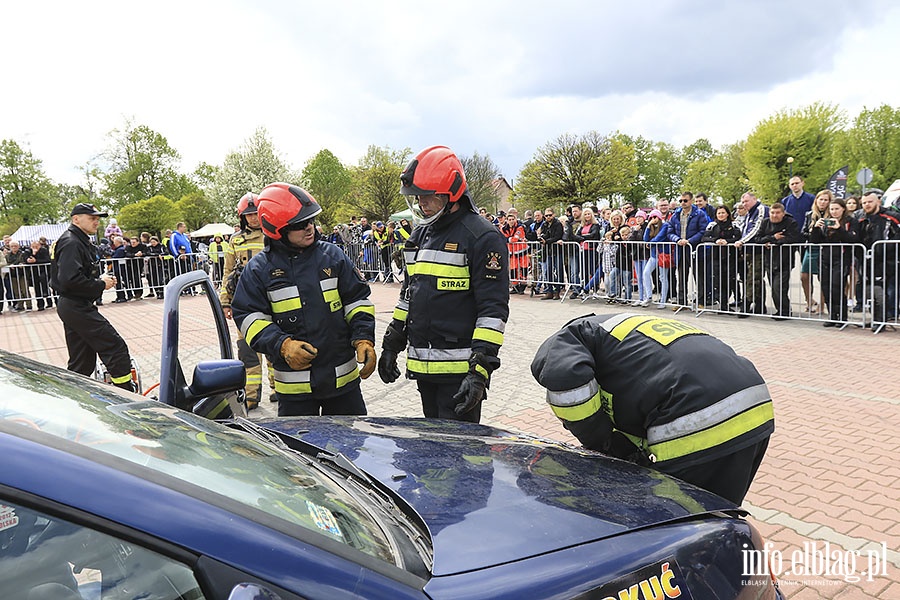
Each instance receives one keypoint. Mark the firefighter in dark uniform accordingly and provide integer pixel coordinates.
(303, 304)
(244, 246)
(640, 388)
(454, 301)
(75, 276)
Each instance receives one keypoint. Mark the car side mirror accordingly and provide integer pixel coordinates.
(213, 377)
(251, 591)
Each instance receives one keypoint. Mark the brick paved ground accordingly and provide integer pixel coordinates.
(830, 476)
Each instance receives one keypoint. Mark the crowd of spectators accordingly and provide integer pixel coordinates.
(726, 258)
(652, 256)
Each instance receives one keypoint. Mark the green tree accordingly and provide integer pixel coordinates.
(806, 134)
(250, 168)
(481, 172)
(576, 169)
(141, 164)
(154, 214)
(377, 182)
(196, 210)
(27, 195)
(874, 142)
(720, 176)
(330, 183)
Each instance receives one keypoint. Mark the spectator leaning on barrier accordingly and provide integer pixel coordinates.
(723, 233)
(37, 259)
(303, 303)
(15, 258)
(635, 387)
(704, 276)
(518, 254)
(881, 224)
(155, 273)
(588, 236)
(688, 225)
(778, 232)
(798, 202)
(551, 234)
(180, 247)
(809, 265)
(656, 230)
(454, 301)
(754, 292)
(837, 232)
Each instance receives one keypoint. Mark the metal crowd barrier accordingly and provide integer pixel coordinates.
(840, 284)
(822, 282)
(882, 272)
(377, 262)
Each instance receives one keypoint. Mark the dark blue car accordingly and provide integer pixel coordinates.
(109, 496)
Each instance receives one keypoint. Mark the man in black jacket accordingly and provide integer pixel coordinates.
(75, 275)
(551, 234)
(777, 232)
(880, 224)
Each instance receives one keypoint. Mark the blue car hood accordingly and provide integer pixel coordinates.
(490, 496)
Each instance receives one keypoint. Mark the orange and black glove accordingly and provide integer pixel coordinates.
(365, 353)
(299, 355)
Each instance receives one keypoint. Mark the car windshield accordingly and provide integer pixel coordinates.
(192, 449)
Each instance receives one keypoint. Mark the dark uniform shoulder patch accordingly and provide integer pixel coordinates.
(359, 275)
(493, 261)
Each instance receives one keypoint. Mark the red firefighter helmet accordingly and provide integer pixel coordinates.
(247, 205)
(435, 170)
(283, 204)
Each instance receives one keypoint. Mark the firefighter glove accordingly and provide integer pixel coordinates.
(471, 392)
(299, 355)
(365, 353)
(394, 339)
(387, 366)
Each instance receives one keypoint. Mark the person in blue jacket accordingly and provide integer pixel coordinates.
(302, 303)
(686, 227)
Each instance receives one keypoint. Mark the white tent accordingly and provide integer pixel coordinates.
(28, 233)
(212, 229)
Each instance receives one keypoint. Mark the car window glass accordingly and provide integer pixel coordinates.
(48, 557)
(192, 449)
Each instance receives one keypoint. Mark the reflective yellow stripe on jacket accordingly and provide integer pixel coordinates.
(435, 361)
(284, 299)
(708, 427)
(489, 329)
(253, 324)
(439, 264)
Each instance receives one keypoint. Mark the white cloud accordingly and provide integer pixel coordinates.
(499, 78)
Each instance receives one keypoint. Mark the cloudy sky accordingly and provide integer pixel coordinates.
(496, 77)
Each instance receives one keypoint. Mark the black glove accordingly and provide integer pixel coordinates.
(471, 392)
(387, 366)
(394, 339)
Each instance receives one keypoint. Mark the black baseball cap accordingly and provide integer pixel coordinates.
(83, 208)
